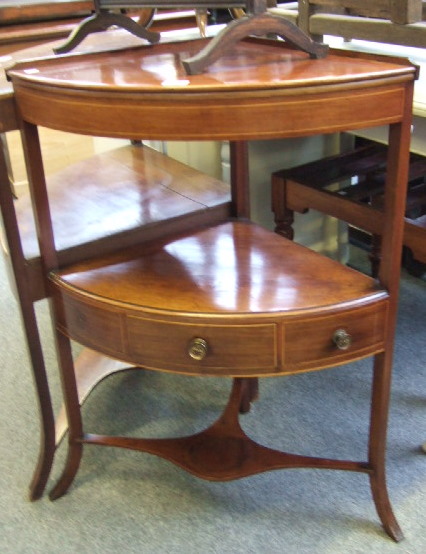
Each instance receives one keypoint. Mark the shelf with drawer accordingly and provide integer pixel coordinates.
(147, 307)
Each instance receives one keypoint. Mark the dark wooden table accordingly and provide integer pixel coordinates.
(227, 299)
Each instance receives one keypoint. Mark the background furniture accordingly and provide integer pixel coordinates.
(113, 12)
(36, 22)
(390, 21)
(328, 185)
(31, 22)
(233, 300)
(42, 10)
(255, 22)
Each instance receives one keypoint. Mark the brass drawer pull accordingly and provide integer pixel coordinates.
(197, 349)
(342, 339)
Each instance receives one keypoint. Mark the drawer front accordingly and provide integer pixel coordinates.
(227, 350)
(268, 348)
(94, 327)
(308, 344)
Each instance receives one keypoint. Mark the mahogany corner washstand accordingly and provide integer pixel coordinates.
(229, 299)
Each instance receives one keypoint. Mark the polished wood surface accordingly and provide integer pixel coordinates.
(95, 43)
(223, 451)
(207, 274)
(148, 195)
(249, 68)
(237, 300)
(249, 294)
(111, 41)
(271, 83)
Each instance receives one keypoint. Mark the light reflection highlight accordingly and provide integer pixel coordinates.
(233, 278)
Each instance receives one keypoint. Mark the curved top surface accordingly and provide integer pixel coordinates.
(252, 65)
(229, 270)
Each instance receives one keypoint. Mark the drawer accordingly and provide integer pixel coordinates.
(227, 349)
(308, 344)
(92, 326)
(283, 345)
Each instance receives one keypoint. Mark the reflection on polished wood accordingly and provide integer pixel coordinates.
(146, 189)
(149, 195)
(248, 301)
(228, 285)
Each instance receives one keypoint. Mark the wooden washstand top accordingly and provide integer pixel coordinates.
(262, 90)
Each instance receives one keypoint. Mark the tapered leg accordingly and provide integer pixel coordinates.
(389, 277)
(72, 464)
(30, 327)
(47, 422)
(72, 406)
(377, 444)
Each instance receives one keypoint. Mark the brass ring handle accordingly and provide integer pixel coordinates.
(342, 339)
(198, 349)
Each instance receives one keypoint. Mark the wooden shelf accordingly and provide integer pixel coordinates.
(218, 283)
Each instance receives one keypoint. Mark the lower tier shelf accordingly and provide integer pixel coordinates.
(232, 299)
(223, 451)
